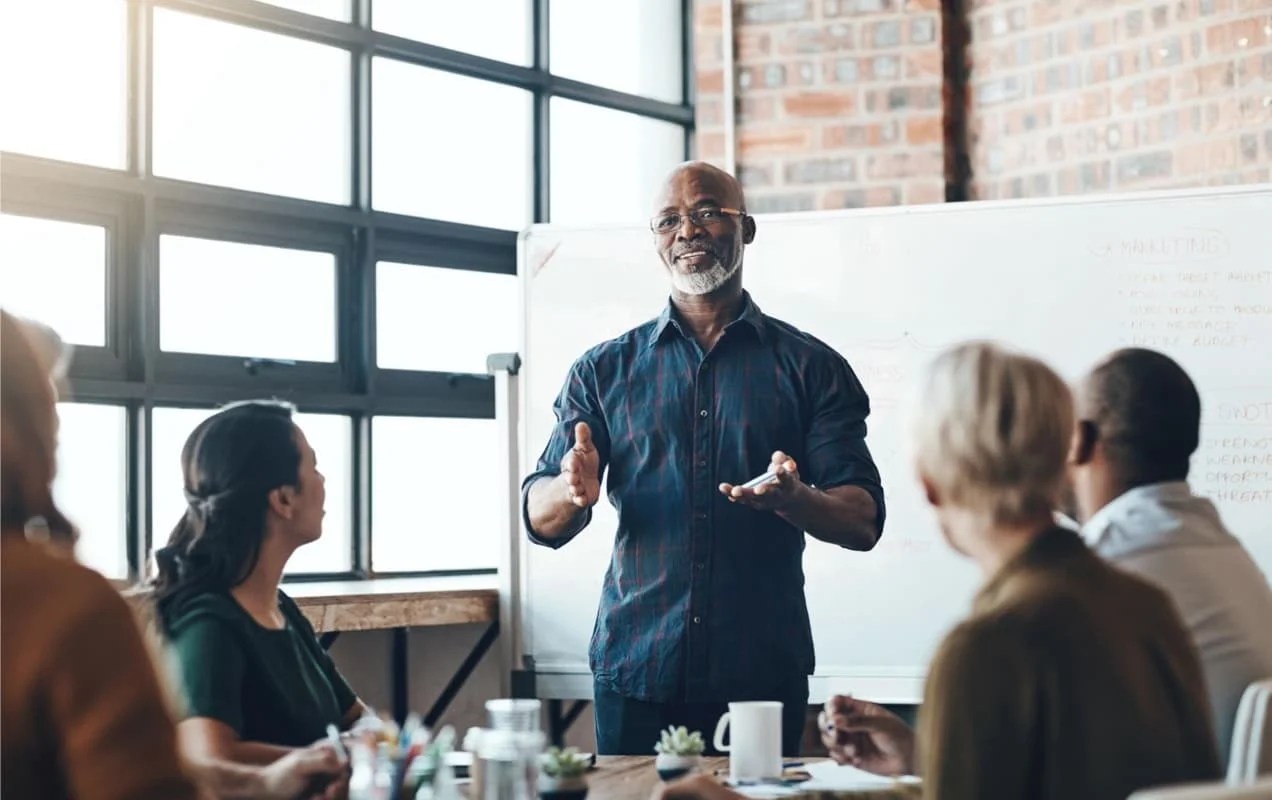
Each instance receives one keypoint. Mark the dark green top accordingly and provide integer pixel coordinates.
(274, 686)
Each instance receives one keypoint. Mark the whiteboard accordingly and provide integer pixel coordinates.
(1188, 273)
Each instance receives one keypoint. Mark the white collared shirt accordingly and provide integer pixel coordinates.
(1176, 540)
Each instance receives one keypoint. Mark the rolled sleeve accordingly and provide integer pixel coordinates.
(578, 402)
(835, 451)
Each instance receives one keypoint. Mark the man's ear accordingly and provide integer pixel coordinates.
(930, 491)
(1086, 435)
(748, 229)
(282, 501)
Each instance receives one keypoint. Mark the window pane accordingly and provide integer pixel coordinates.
(65, 80)
(445, 320)
(55, 272)
(433, 504)
(582, 135)
(328, 434)
(645, 59)
(449, 147)
(274, 118)
(331, 9)
(461, 26)
(91, 486)
(233, 299)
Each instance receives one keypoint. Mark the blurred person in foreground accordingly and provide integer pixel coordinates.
(1070, 679)
(82, 715)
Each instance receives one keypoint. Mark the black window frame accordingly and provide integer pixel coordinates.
(136, 208)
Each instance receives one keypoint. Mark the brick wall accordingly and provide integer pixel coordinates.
(839, 101)
(1079, 96)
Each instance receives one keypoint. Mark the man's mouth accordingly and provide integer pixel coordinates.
(696, 258)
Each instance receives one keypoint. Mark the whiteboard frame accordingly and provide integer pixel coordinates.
(568, 681)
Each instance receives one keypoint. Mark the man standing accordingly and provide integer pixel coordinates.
(1139, 423)
(703, 602)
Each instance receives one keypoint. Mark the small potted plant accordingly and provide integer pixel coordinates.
(561, 775)
(679, 753)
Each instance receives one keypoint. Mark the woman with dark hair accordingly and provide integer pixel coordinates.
(256, 681)
(82, 714)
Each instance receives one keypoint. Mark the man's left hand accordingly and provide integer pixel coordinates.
(774, 495)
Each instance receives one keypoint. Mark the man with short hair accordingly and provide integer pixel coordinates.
(703, 602)
(1139, 419)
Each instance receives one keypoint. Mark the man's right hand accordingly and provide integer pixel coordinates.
(581, 468)
(867, 736)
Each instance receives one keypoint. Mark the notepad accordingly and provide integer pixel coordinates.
(829, 776)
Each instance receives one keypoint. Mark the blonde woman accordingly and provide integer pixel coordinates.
(1069, 679)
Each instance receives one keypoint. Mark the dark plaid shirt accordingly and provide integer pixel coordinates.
(704, 599)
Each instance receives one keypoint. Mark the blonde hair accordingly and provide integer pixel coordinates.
(992, 431)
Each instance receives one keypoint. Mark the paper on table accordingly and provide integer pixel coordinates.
(829, 776)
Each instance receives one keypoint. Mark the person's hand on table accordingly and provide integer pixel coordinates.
(311, 773)
(866, 736)
(698, 787)
(774, 495)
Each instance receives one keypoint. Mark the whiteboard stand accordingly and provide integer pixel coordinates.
(505, 367)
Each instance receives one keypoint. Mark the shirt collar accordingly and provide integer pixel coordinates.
(750, 315)
(1119, 511)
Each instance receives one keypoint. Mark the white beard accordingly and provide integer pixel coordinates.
(703, 281)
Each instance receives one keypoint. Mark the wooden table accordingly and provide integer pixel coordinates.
(396, 605)
(634, 778)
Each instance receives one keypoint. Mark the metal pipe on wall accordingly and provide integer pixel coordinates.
(728, 102)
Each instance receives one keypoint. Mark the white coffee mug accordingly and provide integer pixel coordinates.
(755, 747)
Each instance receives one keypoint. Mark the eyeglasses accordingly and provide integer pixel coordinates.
(702, 217)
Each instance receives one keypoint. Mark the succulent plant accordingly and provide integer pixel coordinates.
(567, 763)
(680, 742)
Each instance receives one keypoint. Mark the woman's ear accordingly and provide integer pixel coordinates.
(282, 501)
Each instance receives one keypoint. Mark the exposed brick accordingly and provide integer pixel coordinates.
(710, 81)
(753, 176)
(885, 34)
(708, 112)
(1000, 90)
(751, 45)
(767, 12)
(904, 165)
(835, 8)
(708, 14)
(710, 145)
(922, 30)
(820, 104)
(751, 109)
(885, 68)
(861, 198)
(821, 170)
(922, 193)
(1234, 36)
(766, 141)
(845, 70)
(1144, 166)
(817, 39)
(925, 63)
(780, 203)
(865, 135)
(924, 130)
(1249, 148)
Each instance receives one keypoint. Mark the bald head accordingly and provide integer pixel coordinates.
(706, 230)
(1146, 413)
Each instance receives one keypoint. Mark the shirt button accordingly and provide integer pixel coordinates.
(700, 515)
(701, 565)
(702, 413)
(697, 620)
